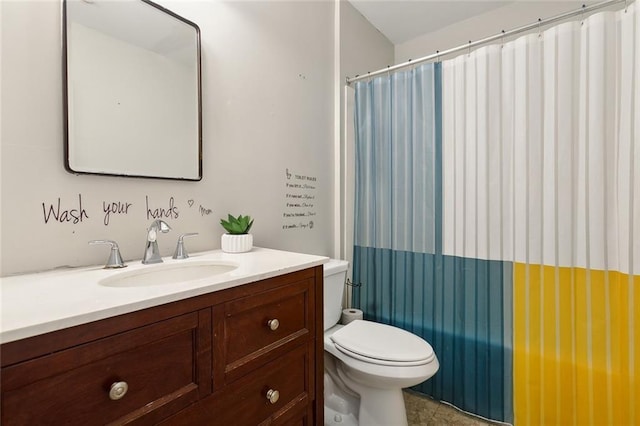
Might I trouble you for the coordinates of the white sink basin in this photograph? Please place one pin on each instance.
(167, 274)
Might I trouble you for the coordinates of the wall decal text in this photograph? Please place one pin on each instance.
(299, 204)
(171, 212)
(59, 214)
(115, 207)
(76, 211)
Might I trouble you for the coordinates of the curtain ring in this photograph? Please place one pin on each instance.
(539, 27)
(626, 5)
(437, 56)
(411, 66)
(582, 14)
(469, 49)
(502, 40)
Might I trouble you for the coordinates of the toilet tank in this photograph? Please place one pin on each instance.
(335, 274)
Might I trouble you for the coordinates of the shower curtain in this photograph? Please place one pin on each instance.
(498, 216)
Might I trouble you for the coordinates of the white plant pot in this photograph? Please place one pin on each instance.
(231, 243)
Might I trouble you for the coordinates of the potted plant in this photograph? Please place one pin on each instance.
(237, 239)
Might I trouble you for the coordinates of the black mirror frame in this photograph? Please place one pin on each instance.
(65, 98)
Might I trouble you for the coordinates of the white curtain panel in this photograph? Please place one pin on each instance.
(540, 160)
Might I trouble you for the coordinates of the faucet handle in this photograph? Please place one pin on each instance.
(115, 260)
(156, 226)
(181, 252)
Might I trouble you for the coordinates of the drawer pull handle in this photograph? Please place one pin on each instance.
(118, 390)
(273, 324)
(273, 396)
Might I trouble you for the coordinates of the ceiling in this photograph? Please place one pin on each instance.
(403, 20)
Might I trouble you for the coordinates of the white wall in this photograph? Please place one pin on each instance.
(362, 47)
(267, 79)
(505, 18)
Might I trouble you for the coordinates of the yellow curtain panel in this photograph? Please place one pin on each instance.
(576, 347)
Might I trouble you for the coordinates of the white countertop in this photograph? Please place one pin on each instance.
(34, 304)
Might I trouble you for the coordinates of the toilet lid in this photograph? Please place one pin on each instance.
(381, 342)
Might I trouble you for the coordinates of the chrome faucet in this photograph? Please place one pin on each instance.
(181, 252)
(115, 259)
(151, 251)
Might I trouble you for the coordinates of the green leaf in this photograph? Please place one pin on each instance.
(239, 225)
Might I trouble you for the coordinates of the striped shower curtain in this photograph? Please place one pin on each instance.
(498, 216)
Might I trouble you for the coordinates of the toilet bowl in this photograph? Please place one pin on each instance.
(367, 364)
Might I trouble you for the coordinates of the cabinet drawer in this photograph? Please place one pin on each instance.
(158, 363)
(246, 402)
(266, 323)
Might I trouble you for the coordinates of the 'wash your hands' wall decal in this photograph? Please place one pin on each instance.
(76, 211)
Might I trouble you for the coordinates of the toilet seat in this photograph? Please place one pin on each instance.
(382, 344)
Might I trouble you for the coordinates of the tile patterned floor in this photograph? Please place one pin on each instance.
(423, 411)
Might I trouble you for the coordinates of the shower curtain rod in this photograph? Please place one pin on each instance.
(540, 22)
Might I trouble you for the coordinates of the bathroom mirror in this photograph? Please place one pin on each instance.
(132, 90)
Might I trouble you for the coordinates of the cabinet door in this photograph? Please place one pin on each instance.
(251, 330)
(159, 364)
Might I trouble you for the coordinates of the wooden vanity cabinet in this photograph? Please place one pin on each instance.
(248, 355)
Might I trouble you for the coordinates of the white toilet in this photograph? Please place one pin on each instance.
(366, 363)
